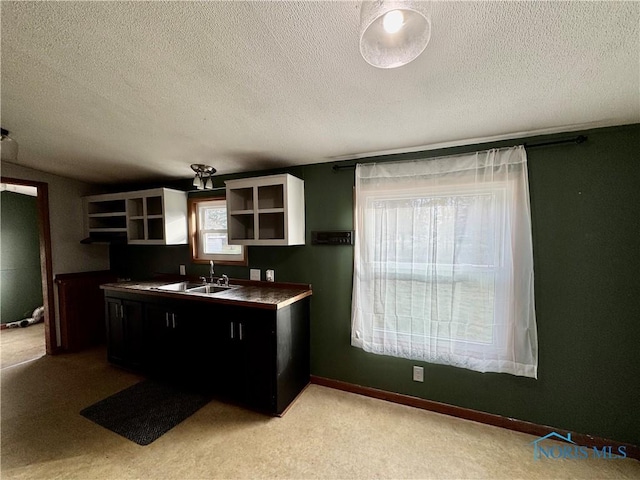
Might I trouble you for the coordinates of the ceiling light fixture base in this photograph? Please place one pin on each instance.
(203, 180)
(8, 147)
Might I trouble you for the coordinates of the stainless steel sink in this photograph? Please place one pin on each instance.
(180, 286)
(210, 289)
(192, 287)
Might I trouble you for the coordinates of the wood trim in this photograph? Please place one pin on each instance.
(633, 451)
(81, 308)
(63, 278)
(295, 299)
(192, 220)
(46, 267)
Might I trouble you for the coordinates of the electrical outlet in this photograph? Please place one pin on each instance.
(271, 276)
(183, 270)
(418, 374)
(254, 274)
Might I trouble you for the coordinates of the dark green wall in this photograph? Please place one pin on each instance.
(585, 215)
(21, 287)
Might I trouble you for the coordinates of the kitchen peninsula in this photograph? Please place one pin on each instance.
(248, 343)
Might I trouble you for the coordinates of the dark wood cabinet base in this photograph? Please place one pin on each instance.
(253, 357)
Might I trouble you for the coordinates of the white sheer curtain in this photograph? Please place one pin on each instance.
(444, 263)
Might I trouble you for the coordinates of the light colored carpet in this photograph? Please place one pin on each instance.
(326, 434)
(19, 345)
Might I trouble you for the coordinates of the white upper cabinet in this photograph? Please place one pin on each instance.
(146, 217)
(266, 210)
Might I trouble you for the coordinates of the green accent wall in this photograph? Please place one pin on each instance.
(21, 281)
(586, 231)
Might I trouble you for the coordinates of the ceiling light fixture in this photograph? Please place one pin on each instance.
(8, 147)
(203, 180)
(393, 32)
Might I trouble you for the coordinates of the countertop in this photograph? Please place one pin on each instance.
(249, 294)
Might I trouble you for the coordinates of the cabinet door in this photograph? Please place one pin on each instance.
(159, 351)
(211, 349)
(133, 333)
(171, 340)
(250, 367)
(257, 349)
(124, 332)
(188, 338)
(240, 357)
(116, 349)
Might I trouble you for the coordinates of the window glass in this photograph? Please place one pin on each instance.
(209, 237)
(443, 262)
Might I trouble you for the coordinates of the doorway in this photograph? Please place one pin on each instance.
(46, 270)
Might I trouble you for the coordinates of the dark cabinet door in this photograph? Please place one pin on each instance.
(158, 325)
(165, 339)
(124, 332)
(116, 348)
(134, 333)
(257, 361)
(249, 357)
(213, 355)
(172, 340)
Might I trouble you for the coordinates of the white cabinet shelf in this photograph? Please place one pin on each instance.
(146, 217)
(266, 210)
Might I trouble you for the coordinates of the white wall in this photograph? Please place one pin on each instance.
(65, 215)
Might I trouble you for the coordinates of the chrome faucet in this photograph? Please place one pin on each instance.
(211, 272)
(209, 279)
(223, 281)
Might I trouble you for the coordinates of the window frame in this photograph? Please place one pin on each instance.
(194, 237)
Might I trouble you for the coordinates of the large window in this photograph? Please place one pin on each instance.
(444, 263)
(208, 233)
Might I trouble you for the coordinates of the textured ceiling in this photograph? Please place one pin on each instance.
(118, 91)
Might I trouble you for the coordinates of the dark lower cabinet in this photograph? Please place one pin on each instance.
(254, 357)
(162, 343)
(178, 336)
(125, 332)
(246, 345)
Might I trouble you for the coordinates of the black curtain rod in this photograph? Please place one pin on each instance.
(579, 139)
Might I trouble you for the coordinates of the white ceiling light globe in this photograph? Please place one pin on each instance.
(393, 32)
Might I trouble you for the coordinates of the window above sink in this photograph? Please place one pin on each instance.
(208, 239)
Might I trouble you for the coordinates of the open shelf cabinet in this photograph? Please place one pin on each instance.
(266, 210)
(146, 217)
